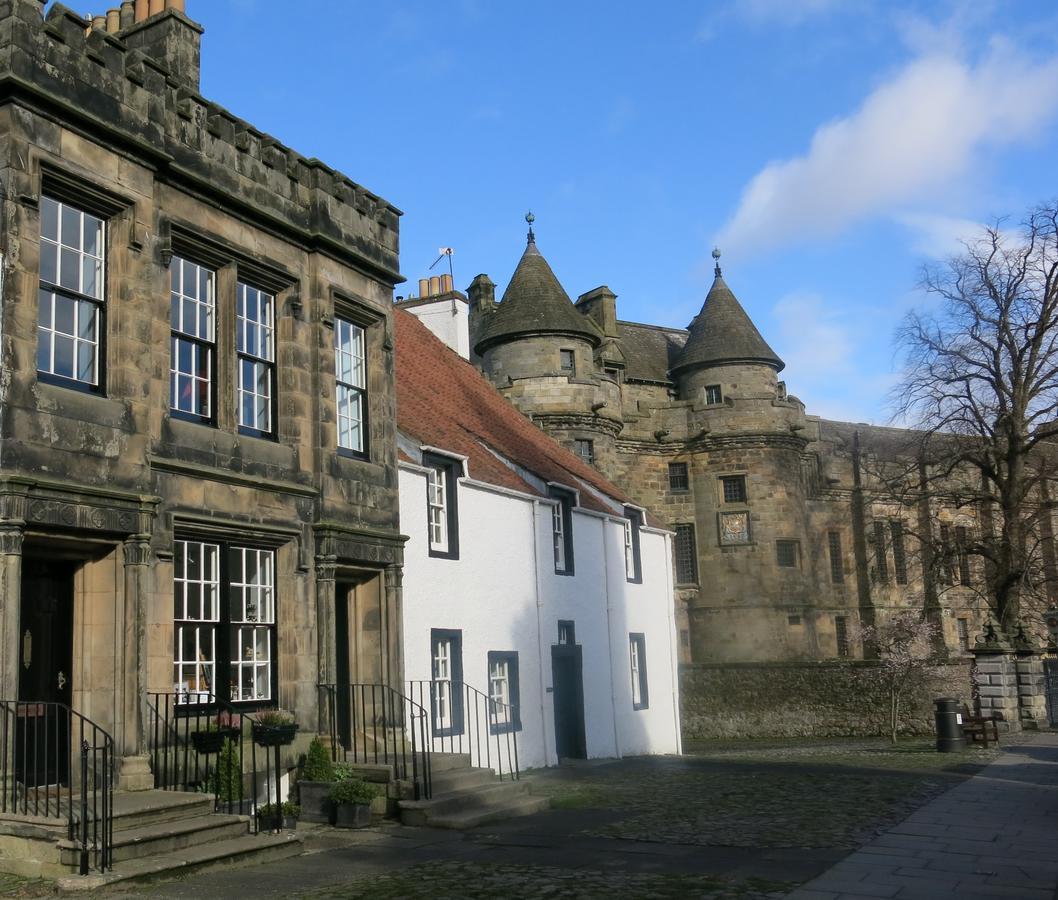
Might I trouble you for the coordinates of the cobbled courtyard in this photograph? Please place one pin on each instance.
(727, 821)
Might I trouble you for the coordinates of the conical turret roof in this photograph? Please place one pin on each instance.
(722, 333)
(534, 303)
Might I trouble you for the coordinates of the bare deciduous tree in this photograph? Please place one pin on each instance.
(981, 387)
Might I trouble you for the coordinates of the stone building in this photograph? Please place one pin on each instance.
(198, 473)
(781, 544)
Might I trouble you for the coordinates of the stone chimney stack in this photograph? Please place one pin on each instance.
(601, 305)
(161, 30)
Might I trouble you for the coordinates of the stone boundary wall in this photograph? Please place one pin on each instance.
(808, 699)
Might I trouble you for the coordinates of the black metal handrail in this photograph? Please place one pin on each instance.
(198, 744)
(376, 724)
(466, 720)
(57, 764)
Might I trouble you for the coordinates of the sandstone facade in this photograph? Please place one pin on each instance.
(106, 484)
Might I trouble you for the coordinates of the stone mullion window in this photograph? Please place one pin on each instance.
(71, 308)
(896, 529)
(881, 558)
(837, 564)
(350, 372)
(686, 552)
(255, 345)
(192, 322)
(224, 622)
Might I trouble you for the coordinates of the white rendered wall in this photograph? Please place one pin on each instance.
(449, 320)
(500, 599)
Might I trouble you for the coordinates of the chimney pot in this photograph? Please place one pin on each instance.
(99, 23)
(435, 285)
(446, 284)
(424, 287)
(113, 20)
(156, 6)
(128, 13)
(142, 10)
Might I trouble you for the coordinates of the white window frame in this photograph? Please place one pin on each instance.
(255, 392)
(192, 324)
(437, 506)
(500, 691)
(195, 674)
(637, 665)
(350, 374)
(558, 536)
(72, 279)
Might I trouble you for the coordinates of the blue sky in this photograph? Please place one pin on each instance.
(829, 146)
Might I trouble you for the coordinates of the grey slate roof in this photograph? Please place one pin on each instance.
(723, 333)
(650, 350)
(534, 303)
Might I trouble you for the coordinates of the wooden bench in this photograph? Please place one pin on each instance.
(980, 729)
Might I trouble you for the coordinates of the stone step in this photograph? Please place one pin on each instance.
(446, 782)
(163, 838)
(242, 851)
(525, 806)
(445, 762)
(137, 809)
(423, 812)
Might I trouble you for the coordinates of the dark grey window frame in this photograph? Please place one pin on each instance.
(635, 519)
(782, 544)
(640, 640)
(742, 489)
(452, 468)
(679, 478)
(690, 535)
(837, 561)
(513, 690)
(566, 499)
(455, 635)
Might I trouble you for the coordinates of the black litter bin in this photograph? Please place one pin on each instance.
(950, 735)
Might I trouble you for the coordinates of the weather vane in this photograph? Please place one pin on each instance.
(716, 260)
(530, 218)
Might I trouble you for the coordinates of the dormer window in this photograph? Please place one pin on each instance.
(442, 519)
(713, 395)
(567, 362)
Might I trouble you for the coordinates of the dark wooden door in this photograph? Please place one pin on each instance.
(343, 662)
(42, 748)
(567, 679)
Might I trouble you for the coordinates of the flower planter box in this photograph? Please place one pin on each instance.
(314, 800)
(213, 741)
(274, 735)
(352, 815)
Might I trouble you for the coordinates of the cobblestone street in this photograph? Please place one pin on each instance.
(729, 820)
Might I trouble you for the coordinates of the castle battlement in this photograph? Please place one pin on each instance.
(118, 94)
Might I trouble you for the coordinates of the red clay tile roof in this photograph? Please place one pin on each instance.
(444, 402)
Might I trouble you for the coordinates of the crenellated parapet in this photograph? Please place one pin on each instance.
(119, 90)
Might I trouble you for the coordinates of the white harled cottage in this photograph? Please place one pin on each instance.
(536, 599)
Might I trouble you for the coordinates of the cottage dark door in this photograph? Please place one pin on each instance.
(342, 691)
(42, 739)
(567, 679)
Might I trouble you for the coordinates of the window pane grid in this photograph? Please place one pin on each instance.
(442, 684)
(350, 367)
(558, 537)
(255, 345)
(734, 488)
(686, 555)
(841, 634)
(896, 528)
(786, 554)
(192, 313)
(678, 477)
(880, 556)
(196, 588)
(499, 692)
(837, 568)
(437, 504)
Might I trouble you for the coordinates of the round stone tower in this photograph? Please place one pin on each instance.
(539, 350)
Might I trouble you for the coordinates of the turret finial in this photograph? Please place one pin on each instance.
(716, 260)
(530, 218)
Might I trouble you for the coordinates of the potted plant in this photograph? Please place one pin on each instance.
(211, 738)
(352, 802)
(315, 774)
(272, 817)
(274, 729)
(225, 781)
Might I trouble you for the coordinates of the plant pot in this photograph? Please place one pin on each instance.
(274, 735)
(290, 823)
(213, 741)
(352, 815)
(269, 821)
(314, 800)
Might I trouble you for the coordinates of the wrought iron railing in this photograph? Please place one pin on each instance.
(375, 724)
(463, 719)
(199, 744)
(56, 764)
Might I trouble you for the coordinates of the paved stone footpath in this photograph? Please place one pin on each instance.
(993, 836)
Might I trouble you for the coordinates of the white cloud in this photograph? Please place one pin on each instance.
(813, 340)
(915, 134)
(937, 235)
(767, 14)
